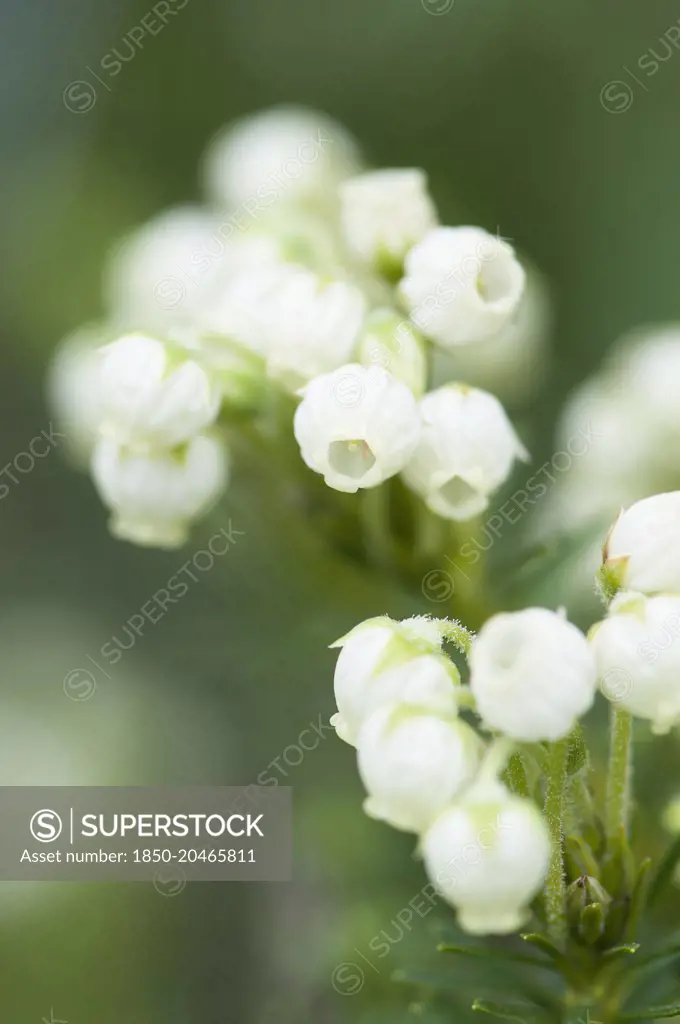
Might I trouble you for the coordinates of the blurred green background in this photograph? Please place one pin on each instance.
(501, 102)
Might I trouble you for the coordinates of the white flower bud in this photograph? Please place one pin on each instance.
(285, 155)
(381, 661)
(413, 762)
(312, 327)
(466, 450)
(642, 550)
(488, 856)
(149, 281)
(461, 285)
(532, 674)
(152, 395)
(384, 213)
(637, 652)
(390, 342)
(154, 497)
(356, 427)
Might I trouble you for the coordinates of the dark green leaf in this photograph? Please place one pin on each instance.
(618, 952)
(482, 952)
(664, 871)
(639, 898)
(518, 1012)
(652, 1013)
(543, 943)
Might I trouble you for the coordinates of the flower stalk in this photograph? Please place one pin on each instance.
(617, 815)
(555, 885)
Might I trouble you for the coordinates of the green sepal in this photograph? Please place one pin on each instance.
(578, 752)
(456, 633)
(592, 923)
(609, 578)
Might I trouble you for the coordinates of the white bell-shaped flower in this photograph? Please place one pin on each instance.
(488, 856)
(637, 652)
(154, 497)
(384, 213)
(356, 427)
(461, 285)
(466, 450)
(157, 275)
(153, 395)
(532, 674)
(381, 661)
(642, 550)
(313, 327)
(414, 762)
(282, 156)
(73, 390)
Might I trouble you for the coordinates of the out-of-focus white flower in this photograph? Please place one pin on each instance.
(642, 550)
(488, 856)
(382, 660)
(285, 155)
(384, 213)
(461, 285)
(313, 327)
(644, 367)
(413, 762)
(532, 674)
(301, 325)
(152, 395)
(155, 276)
(154, 497)
(240, 309)
(390, 342)
(638, 656)
(512, 363)
(356, 427)
(73, 390)
(466, 450)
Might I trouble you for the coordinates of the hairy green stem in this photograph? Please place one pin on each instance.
(555, 885)
(619, 778)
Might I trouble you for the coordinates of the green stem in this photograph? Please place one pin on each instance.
(374, 503)
(555, 885)
(619, 777)
(466, 565)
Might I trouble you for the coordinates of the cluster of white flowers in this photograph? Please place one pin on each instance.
(633, 414)
(638, 656)
(307, 273)
(532, 675)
